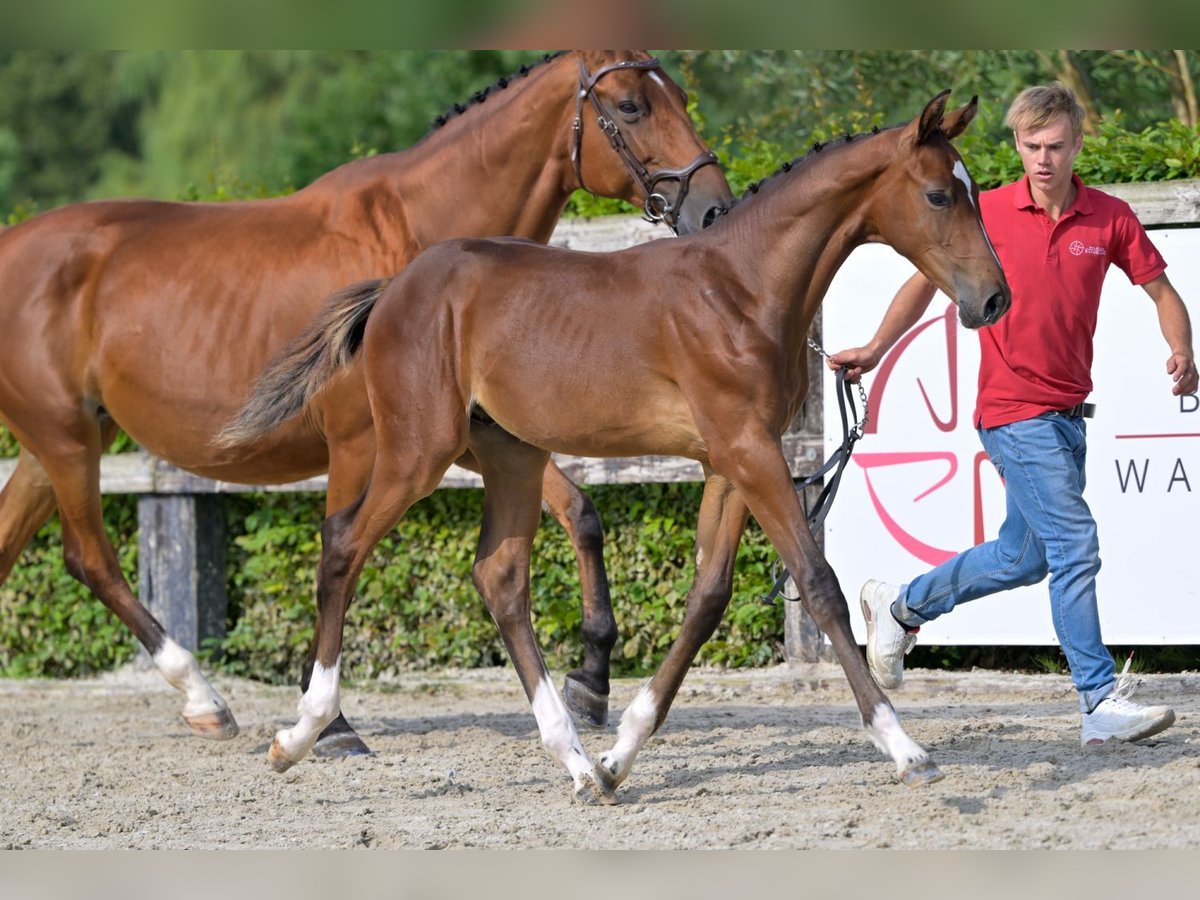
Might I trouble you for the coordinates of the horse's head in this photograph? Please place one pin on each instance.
(626, 103)
(927, 208)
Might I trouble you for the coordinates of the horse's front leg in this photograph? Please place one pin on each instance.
(722, 519)
(763, 478)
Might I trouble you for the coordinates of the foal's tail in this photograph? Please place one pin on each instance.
(305, 365)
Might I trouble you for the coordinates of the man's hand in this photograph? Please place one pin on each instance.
(1182, 370)
(856, 361)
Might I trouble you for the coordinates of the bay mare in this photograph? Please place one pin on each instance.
(694, 347)
(155, 317)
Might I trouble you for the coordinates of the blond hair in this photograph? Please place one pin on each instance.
(1036, 106)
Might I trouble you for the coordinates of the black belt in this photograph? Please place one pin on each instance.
(1079, 410)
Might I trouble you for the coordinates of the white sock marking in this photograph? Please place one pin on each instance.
(558, 733)
(887, 734)
(182, 672)
(637, 724)
(318, 706)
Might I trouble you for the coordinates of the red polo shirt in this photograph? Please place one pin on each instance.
(1038, 357)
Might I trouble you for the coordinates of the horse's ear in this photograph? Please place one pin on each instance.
(956, 121)
(931, 117)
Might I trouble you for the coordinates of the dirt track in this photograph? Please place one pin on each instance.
(767, 758)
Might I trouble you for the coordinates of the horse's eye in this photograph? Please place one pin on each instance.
(938, 198)
(628, 108)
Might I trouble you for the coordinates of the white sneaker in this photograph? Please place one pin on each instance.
(887, 641)
(1117, 718)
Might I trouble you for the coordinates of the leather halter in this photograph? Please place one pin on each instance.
(656, 206)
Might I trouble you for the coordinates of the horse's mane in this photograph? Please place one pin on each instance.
(481, 95)
(798, 164)
(456, 110)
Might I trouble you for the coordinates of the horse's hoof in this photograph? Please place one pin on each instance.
(340, 745)
(607, 781)
(278, 759)
(921, 773)
(216, 726)
(606, 799)
(589, 708)
(603, 794)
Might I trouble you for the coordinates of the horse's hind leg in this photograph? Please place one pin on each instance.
(72, 461)
(348, 537)
(512, 478)
(351, 456)
(26, 504)
(27, 501)
(586, 688)
(718, 531)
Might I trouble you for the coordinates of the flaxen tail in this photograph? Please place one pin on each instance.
(305, 365)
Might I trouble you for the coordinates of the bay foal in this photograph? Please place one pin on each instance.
(693, 347)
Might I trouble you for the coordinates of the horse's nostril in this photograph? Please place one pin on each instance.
(994, 308)
(711, 216)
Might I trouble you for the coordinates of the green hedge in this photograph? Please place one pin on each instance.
(416, 606)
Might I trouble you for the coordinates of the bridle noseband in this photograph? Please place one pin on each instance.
(656, 206)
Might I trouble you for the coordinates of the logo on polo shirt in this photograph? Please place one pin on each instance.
(1079, 248)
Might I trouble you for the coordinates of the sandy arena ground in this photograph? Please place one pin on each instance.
(751, 759)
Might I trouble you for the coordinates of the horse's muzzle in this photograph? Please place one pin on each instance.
(975, 314)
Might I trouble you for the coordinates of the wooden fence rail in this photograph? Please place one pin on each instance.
(181, 541)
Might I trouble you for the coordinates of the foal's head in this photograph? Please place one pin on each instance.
(627, 101)
(926, 206)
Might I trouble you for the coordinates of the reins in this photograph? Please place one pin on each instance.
(837, 462)
(656, 205)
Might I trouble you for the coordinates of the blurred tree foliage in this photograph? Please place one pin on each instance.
(172, 124)
(781, 96)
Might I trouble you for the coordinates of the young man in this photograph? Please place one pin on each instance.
(1055, 238)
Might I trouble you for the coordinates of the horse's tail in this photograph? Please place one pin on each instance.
(305, 365)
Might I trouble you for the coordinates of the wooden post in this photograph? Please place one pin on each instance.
(181, 564)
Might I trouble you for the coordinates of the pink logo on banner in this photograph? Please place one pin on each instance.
(913, 544)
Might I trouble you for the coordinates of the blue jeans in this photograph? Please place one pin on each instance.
(1048, 528)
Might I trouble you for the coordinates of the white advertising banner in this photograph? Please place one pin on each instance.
(919, 488)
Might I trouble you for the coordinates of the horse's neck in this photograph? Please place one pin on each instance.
(500, 167)
(807, 227)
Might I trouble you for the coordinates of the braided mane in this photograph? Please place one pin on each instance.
(799, 161)
(481, 95)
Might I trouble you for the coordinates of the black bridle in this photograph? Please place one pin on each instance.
(656, 206)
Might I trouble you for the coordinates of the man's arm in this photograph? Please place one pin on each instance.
(906, 308)
(1177, 329)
